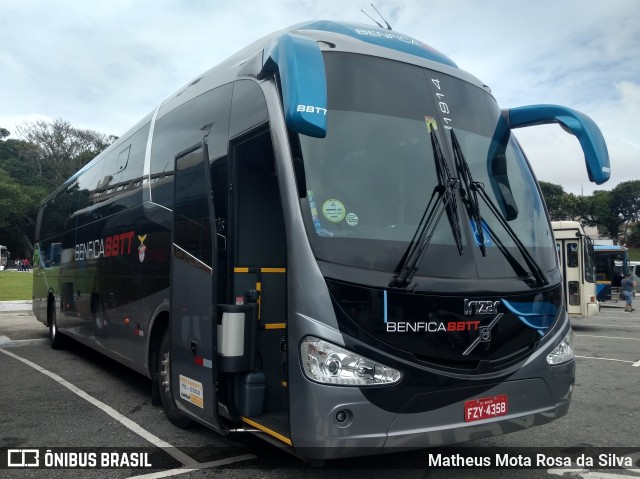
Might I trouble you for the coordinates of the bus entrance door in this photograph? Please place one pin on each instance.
(571, 259)
(193, 365)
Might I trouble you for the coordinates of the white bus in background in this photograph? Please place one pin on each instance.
(3, 257)
(634, 269)
(576, 254)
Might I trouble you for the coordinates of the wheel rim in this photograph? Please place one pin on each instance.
(53, 324)
(165, 374)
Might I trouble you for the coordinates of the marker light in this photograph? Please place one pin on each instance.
(563, 352)
(327, 363)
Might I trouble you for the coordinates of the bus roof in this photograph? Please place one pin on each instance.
(380, 37)
(566, 224)
(328, 35)
(607, 247)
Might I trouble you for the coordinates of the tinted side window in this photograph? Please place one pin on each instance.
(115, 182)
(127, 163)
(192, 217)
(58, 213)
(182, 127)
(249, 107)
(89, 184)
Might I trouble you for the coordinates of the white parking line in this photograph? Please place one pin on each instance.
(608, 325)
(605, 337)
(586, 474)
(125, 421)
(203, 465)
(609, 359)
(6, 342)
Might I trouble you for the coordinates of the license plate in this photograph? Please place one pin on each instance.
(484, 408)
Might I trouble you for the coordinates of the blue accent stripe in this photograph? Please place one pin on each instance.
(385, 305)
(537, 315)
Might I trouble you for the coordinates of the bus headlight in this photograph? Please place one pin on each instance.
(327, 363)
(563, 352)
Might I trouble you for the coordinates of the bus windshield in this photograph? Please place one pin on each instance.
(370, 180)
(589, 261)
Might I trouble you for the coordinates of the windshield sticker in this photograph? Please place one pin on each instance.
(485, 233)
(314, 212)
(432, 125)
(352, 219)
(334, 210)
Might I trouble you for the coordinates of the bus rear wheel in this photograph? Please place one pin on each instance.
(56, 338)
(164, 384)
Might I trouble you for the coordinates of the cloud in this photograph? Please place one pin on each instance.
(556, 157)
(12, 122)
(105, 65)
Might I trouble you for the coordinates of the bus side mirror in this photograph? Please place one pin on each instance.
(577, 123)
(299, 62)
(499, 177)
(502, 188)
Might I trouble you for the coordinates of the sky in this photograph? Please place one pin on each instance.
(103, 65)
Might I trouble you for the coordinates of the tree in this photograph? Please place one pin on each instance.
(31, 169)
(633, 240)
(625, 202)
(18, 212)
(599, 212)
(18, 159)
(573, 206)
(561, 205)
(608, 210)
(614, 210)
(553, 195)
(62, 149)
(21, 190)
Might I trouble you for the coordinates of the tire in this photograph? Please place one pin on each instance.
(57, 339)
(164, 385)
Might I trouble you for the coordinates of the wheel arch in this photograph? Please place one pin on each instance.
(51, 303)
(158, 324)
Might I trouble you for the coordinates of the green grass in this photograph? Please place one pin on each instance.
(18, 286)
(15, 285)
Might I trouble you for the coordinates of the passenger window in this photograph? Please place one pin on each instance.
(205, 115)
(123, 159)
(249, 107)
(572, 255)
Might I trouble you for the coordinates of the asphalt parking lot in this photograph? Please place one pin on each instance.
(76, 398)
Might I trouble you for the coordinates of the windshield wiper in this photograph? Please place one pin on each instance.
(470, 190)
(442, 199)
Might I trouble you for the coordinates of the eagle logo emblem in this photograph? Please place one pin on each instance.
(142, 248)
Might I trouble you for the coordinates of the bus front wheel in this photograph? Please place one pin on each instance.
(164, 384)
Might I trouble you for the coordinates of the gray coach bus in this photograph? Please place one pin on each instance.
(333, 238)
